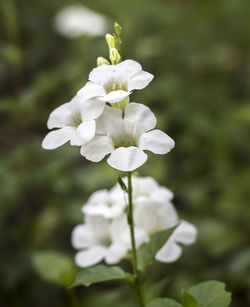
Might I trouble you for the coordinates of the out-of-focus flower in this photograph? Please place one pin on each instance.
(76, 20)
(113, 83)
(99, 239)
(76, 122)
(126, 137)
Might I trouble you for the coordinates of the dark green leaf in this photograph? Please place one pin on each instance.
(99, 273)
(147, 251)
(188, 300)
(54, 267)
(211, 294)
(163, 302)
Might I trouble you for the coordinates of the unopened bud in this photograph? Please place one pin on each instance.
(118, 29)
(110, 41)
(114, 56)
(100, 60)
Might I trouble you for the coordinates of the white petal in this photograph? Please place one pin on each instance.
(140, 80)
(115, 253)
(141, 236)
(84, 133)
(127, 159)
(115, 96)
(127, 69)
(162, 194)
(156, 141)
(97, 148)
(90, 256)
(138, 118)
(185, 233)
(57, 138)
(102, 73)
(82, 236)
(59, 117)
(91, 90)
(110, 122)
(170, 252)
(91, 108)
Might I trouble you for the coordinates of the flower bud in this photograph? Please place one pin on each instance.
(110, 41)
(114, 56)
(118, 29)
(100, 60)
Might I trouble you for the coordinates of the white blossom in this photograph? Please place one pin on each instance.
(126, 137)
(113, 83)
(75, 121)
(99, 239)
(76, 20)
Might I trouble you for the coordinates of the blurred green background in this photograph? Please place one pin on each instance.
(199, 54)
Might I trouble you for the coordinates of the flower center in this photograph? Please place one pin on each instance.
(106, 242)
(125, 141)
(76, 120)
(116, 87)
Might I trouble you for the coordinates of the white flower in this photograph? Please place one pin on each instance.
(107, 203)
(99, 239)
(185, 234)
(75, 121)
(76, 20)
(113, 83)
(126, 137)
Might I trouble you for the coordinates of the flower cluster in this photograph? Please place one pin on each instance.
(104, 235)
(102, 120)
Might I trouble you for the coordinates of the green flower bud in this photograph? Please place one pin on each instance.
(114, 56)
(110, 41)
(117, 29)
(100, 60)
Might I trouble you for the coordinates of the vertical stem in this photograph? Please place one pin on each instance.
(137, 282)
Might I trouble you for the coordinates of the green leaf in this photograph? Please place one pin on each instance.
(188, 300)
(163, 302)
(147, 251)
(211, 294)
(100, 273)
(54, 267)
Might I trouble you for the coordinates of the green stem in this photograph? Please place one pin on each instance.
(137, 280)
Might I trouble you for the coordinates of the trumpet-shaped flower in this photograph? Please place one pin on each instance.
(99, 239)
(75, 121)
(126, 137)
(113, 83)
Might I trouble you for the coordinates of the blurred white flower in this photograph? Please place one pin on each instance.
(76, 20)
(99, 239)
(113, 83)
(76, 122)
(126, 137)
(107, 203)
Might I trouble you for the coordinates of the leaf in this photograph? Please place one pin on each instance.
(54, 267)
(211, 294)
(155, 289)
(188, 300)
(147, 251)
(163, 302)
(99, 273)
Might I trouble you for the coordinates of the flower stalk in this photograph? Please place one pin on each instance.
(137, 281)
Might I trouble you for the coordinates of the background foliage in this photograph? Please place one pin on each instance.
(199, 54)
